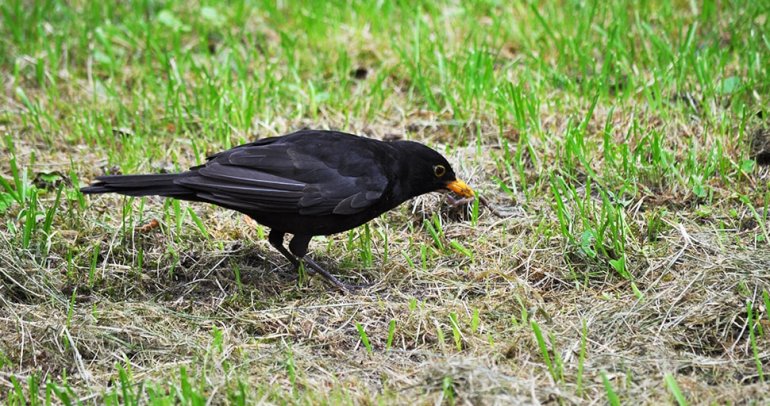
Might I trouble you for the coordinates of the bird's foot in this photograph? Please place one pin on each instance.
(313, 267)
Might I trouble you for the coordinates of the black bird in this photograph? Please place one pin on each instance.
(306, 183)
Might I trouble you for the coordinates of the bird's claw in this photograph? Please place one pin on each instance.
(313, 267)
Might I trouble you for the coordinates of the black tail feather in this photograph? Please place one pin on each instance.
(140, 185)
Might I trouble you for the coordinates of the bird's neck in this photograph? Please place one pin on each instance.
(405, 170)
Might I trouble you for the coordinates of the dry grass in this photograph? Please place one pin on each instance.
(691, 322)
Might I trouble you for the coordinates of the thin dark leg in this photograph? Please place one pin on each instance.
(298, 247)
(276, 240)
(331, 278)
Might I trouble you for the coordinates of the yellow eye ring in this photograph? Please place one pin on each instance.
(439, 170)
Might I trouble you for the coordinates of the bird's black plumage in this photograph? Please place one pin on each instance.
(305, 183)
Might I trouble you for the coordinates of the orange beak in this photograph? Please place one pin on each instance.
(460, 188)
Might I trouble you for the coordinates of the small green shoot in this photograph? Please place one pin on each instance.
(448, 390)
(461, 249)
(766, 300)
(752, 326)
(364, 337)
(612, 397)
(582, 356)
(475, 321)
(125, 379)
(456, 333)
(48, 222)
(365, 247)
(552, 367)
(436, 232)
(198, 223)
(291, 367)
(94, 260)
(63, 395)
(71, 307)
(439, 334)
(187, 392)
(391, 334)
(237, 272)
(30, 221)
(673, 387)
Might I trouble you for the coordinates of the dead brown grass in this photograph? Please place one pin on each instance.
(691, 321)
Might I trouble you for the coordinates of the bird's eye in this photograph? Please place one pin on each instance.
(439, 170)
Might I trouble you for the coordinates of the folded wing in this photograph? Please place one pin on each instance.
(277, 177)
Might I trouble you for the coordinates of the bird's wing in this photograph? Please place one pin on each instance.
(286, 178)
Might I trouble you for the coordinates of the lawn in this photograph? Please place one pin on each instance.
(623, 147)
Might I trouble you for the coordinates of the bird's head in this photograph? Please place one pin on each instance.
(428, 171)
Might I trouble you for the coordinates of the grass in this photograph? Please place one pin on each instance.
(624, 143)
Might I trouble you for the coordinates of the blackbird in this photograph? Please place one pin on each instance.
(306, 183)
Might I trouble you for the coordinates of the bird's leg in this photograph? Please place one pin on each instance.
(331, 278)
(298, 247)
(276, 240)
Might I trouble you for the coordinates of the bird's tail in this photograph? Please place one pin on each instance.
(141, 185)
